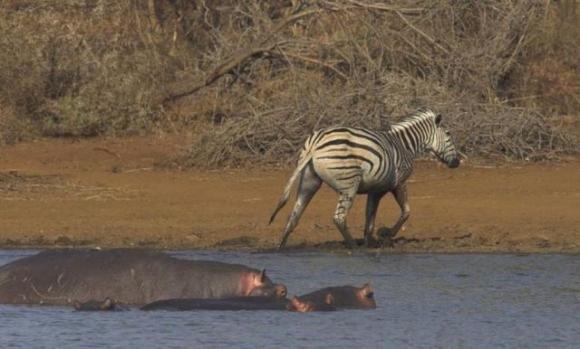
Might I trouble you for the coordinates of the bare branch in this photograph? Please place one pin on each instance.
(421, 33)
(310, 60)
(379, 7)
(180, 89)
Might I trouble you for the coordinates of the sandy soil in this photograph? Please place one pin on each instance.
(108, 192)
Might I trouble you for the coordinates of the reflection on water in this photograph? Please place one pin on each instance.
(425, 301)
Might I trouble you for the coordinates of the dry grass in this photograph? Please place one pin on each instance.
(254, 77)
(272, 134)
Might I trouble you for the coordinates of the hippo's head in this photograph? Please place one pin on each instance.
(304, 306)
(108, 304)
(345, 296)
(92, 305)
(261, 286)
(366, 297)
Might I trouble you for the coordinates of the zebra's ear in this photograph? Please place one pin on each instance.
(438, 119)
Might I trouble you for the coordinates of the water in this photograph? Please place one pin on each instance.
(425, 301)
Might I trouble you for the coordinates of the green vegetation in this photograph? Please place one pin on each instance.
(252, 78)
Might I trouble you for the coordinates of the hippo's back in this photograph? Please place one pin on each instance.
(130, 276)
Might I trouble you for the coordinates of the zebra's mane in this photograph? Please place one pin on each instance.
(418, 116)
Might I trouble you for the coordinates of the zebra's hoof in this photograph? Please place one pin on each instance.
(385, 233)
(350, 245)
(371, 243)
(388, 242)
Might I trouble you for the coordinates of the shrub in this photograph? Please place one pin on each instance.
(253, 77)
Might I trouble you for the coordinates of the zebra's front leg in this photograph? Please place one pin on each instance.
(373, 200)
(400, 194)
(344, 204)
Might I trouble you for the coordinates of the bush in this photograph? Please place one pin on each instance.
(76, 70)
(273, 133)
(255, 77)
(458, 58)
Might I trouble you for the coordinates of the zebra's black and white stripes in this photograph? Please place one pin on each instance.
(355, 161)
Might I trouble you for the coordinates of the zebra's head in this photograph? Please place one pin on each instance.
(442, 146)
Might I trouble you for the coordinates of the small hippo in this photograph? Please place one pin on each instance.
(242, 303)
(307, 306)
(230, 303)
(107, 305)
(132, 277)
(344, 297)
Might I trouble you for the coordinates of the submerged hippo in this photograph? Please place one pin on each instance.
(242, 303)
(344, 297)
(131, 277)
(307, 306)
(230, 303)
(326, 299)
(93, 305)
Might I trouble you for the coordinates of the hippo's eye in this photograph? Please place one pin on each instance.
(370, 295)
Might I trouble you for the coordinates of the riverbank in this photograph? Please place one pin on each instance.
(111, 193)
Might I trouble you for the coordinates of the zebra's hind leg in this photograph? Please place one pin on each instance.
(308, 186)
(373, 200)
(400, 194)
(344, 203)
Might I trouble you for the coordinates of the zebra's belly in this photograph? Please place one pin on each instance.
(374, 186)
(363, 180)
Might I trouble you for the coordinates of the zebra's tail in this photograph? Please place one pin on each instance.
(298, 171)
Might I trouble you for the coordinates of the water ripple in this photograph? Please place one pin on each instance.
(425, 301)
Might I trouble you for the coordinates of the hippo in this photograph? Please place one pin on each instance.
(307, 306)
(132, 277)
(230, 303)
(326, 299)
(242, 303)
(344, 297)
(93, 305)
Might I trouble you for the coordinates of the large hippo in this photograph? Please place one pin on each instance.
(132, 277)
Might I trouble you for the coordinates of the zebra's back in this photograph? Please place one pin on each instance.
(343, 155)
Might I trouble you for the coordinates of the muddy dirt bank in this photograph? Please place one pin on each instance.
(109, 193)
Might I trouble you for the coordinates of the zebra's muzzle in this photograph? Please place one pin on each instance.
(454, 163)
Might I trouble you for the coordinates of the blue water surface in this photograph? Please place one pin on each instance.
(424, 301)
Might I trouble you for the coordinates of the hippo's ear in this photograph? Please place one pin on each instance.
(107, 303)
(77, 305)
(263, 276)
(366, 290)
(329, 299)
(281, 290)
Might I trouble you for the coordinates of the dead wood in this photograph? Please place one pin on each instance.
(184, 88)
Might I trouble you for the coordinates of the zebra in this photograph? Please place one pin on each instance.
(362, 161)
